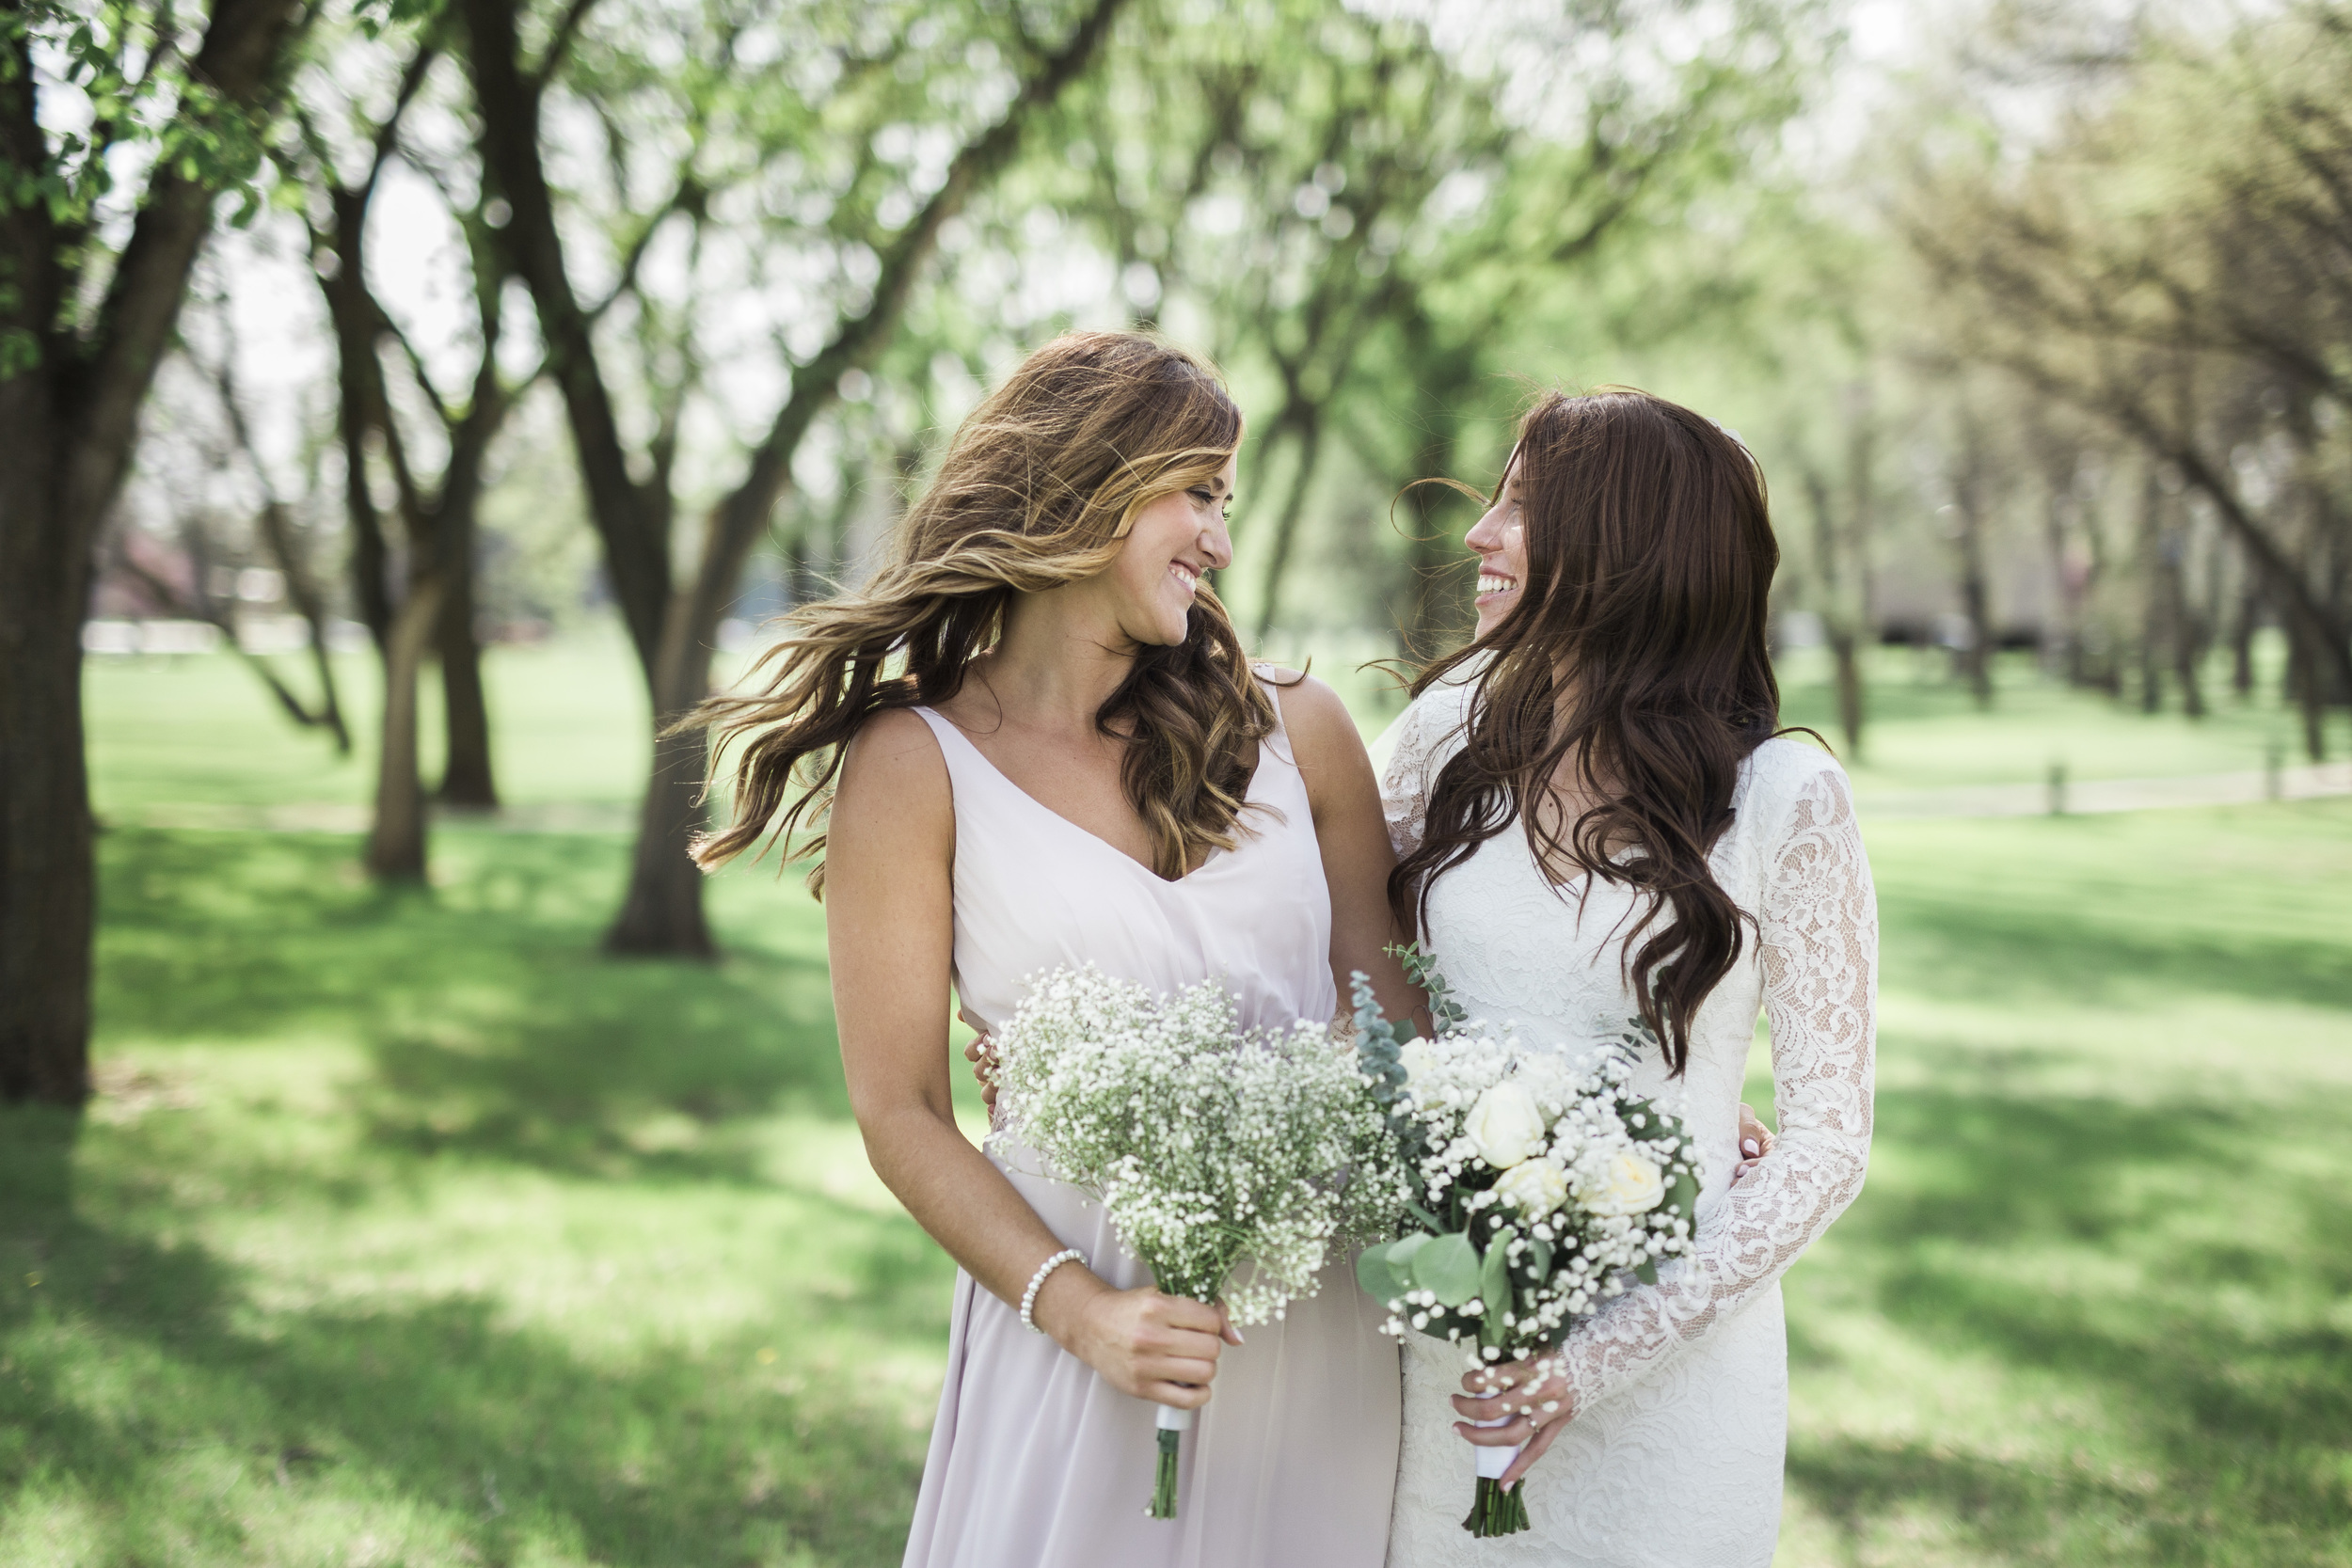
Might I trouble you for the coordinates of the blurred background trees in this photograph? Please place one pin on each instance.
(614, 318)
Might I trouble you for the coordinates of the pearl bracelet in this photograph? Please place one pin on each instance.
(1037, 1283)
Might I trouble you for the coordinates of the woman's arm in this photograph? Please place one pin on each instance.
(1353, 838)
(890, 931)
(1819, 946)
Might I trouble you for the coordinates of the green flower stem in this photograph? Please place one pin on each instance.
(1164, 1486)
(1496, 1512)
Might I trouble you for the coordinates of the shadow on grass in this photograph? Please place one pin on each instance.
(501, 1439)
(495, 1026)
(2197, 1338)
(1963, 949)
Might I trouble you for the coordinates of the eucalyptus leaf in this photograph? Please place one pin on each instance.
(1683, 1197)
(1494, 1274)
(1654, 1124)
(1381, 1279)
(1447, 1268)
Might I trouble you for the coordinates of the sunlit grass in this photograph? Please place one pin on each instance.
(408, 1230)
(1925, 731)
(2094, 1305)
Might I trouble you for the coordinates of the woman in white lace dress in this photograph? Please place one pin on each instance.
(1594, 821)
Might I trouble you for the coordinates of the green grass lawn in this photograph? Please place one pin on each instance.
(407, 1230)
(569, 720)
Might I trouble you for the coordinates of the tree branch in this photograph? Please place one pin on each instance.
(241, 60)
(636, 543)
(560, 42)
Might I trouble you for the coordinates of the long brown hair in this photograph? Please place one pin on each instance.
(1039, 488)
(1649, 559)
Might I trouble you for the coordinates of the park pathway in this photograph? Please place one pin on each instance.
(2060, 796)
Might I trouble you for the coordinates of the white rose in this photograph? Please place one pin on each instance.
(1533, 1187)
(1417, 1059)
(1633, 1184)
(1505, 1126)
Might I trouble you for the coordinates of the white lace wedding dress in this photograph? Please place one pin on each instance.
(1673, 1456)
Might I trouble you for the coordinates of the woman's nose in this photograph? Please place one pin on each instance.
(1218, 540)
(1486, 535)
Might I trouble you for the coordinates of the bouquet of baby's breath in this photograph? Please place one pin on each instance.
(1227, 1158)
(1538, 1187)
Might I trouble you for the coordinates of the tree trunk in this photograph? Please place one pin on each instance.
(396, 844)
(2063, 642)
(2306, 688)
(1840, 570)
(662, 911)
(1847, 658)
(1306, 421)
(2182, 630)
(47, 896)
(467, 778)
(2250, 615)
(2153, 629)
(1975, 662)
(69, 419)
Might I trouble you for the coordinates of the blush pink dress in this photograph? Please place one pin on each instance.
(1034, 1461)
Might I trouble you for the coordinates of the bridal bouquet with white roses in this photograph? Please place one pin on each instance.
(1231, 1160)
(1538, 1187)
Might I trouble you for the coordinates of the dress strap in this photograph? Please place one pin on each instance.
(955, 748)
(1278, 743)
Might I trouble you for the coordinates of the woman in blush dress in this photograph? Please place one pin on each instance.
(1034, 741)
(1595, 821)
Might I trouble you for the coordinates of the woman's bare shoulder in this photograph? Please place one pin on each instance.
(894, 762)
(1320, 726)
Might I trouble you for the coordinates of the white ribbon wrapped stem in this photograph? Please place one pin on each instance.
(1173, 1420)
(1492, 1462)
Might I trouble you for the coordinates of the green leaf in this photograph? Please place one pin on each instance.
(1539, 1256)
(1683, 1197)
(1647, 1273)
(1494, 1275)
(1432, 1221)
(1655, 1124)
(1447, 1268)
(1381, 1279)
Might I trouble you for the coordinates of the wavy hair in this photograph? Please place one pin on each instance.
(1636, 657)
(1039, 487)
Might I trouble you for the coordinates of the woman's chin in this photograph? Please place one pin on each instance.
(1493, 612)
(1164, 630)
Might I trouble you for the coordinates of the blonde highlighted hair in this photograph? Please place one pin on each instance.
(1039, 488)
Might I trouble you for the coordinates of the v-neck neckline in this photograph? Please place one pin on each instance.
(1088, 834)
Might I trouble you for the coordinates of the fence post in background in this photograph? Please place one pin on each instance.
(2057, 786)
(2274, 771)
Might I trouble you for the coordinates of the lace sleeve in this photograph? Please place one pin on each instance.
(1416, 747)
(1820, 952)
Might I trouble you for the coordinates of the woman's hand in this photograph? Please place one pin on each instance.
(1756, 1142)
(1532, 1393)
(1147, 1345)
(981, 1054)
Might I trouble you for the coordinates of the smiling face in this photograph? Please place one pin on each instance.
(1173, 540)
(1499, 540)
